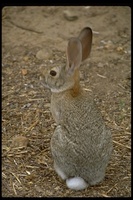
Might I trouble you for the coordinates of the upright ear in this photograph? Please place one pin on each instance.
(85, 37)
(74, 54)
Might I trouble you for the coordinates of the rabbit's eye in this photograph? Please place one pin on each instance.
(53, 73)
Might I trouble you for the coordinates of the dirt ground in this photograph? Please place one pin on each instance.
(33, 37)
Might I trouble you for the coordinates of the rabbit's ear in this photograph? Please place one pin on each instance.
(85, 37)
(74, 54)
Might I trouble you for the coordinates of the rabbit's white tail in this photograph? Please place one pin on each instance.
(76, 183)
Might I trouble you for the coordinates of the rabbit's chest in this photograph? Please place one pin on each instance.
(56, 115)
(59, 108)
(56, 112)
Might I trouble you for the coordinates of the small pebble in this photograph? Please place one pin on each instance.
(119, 49)
(70, 16)
(24, 72)
(44, 54)
(26, 58)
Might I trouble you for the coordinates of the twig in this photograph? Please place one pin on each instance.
(111, 188)
(101, 76)
(29, 166)
(14, 189)
(96, 32)
(16, 178)
(29, 100)
(86, 89)
(3, 175)
(25, 28)
(122, 145)
(17, 154)
(32, 126)
(14, 91)
(121, 86)
(105, 195)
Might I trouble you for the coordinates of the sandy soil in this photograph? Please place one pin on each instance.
(36, 36)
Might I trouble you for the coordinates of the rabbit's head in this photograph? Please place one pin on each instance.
(61, 78)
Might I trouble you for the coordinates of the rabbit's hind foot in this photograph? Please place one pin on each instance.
(59, 172)
(76, 183)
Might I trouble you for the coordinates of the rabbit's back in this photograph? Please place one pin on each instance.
(76, 113)
(83, 144)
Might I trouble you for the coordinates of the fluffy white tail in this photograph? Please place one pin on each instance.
(76, 183)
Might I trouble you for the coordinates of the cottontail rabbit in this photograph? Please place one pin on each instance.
(81, 144)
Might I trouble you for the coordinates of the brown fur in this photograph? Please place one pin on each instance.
(75, 91)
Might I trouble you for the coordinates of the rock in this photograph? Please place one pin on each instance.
(44, 54)
(26, 58)
(24, 72)
(20, 141)
(70, 16)
(100, 64)
(120, 49)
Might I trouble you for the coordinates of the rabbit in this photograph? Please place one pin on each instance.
(81, 144)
